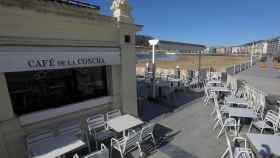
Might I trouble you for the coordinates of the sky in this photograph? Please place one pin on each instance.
(208, 22)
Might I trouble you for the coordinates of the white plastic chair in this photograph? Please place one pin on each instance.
(147, 133)
(102, 153)
(271, 121)
(126, 144)
(228, 122)
(97, 128)
(74, 129)
(208, 95)
(113, 114)
(35, 138)
(237, 152)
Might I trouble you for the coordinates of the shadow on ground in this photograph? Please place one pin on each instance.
(151, 109)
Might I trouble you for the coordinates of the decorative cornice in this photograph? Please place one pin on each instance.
(30, 41)
(58, 7)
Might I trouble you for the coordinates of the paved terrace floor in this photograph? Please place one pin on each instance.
(184, 131)
(266, 79)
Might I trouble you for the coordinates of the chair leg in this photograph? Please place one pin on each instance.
(121, 154)
(262, 130)
(88, 142)
(154, 141)
(96, 144)
(111, 150)
(213, 112)
(221, 131)
(216, 125)
(140, 150)
(249, 130)
(225, 153)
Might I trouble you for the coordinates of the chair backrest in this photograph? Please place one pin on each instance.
(131, 141)
(39, 137)
(74, 129)
(206, 91)
(95, 122)
(102, 153)
(272, 117)
(146, 131)
(113, 114)
(219, 116)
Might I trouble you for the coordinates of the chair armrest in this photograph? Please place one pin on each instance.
(131, 131)
(242, 139)
(103, 147)
(120, 141)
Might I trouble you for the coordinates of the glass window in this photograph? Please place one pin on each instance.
(37, 90)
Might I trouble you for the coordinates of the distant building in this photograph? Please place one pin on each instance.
(221, 50)
(235, 50)
(228, 50)
(142, 45)
(210, 50)
(273, 46)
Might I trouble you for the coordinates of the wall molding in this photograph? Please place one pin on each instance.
(58, 112)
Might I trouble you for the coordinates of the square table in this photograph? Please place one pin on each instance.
(123, 123)
(56, 146)
(272, 141)
(235, 100)
(240, 113)
(220, 89)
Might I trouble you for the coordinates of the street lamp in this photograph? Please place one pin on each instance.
(153, 43)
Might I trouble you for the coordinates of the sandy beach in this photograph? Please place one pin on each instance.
(187, 62)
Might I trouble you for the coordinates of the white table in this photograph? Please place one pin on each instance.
(123, 123)
(214, 82)
(56, 146)
(220, 89)
(240, 113)
(238, 101)
(272, 141)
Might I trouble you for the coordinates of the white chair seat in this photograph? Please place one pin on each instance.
(230, 122)
(241, 152)
(262, 124)
(106, 134)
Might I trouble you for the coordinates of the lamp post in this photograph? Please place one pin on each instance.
(153, 43)
(199, 65)
(252, 52)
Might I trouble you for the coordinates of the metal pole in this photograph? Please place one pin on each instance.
(154, 72)
(153, 57)
(199, 65)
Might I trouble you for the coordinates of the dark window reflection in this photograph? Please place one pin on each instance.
(37, 90)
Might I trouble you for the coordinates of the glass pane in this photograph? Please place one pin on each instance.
(38, 90)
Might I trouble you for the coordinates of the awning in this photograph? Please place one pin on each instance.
(14, 59)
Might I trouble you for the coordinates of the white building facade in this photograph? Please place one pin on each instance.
(61, 63)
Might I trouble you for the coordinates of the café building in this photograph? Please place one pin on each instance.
(60, 62)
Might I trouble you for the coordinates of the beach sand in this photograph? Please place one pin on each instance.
(188, 62)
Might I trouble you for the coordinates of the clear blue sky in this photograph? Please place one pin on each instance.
(209, 22)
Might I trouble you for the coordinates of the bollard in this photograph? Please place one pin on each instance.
(178, 72)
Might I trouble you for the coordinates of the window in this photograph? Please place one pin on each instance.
(37, 90)
(127, 39)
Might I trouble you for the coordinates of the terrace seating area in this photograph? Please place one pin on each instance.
(120, 132)
(217, 119)
(237, 112)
